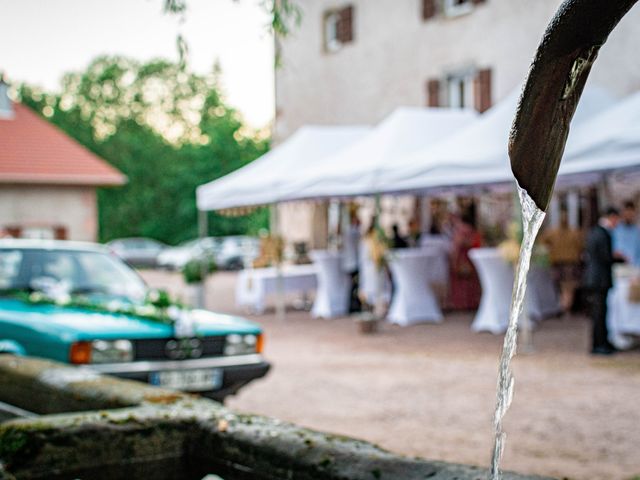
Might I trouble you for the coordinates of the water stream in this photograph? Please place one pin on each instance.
(532, 218)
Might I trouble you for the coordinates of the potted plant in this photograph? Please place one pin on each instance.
(194, 274)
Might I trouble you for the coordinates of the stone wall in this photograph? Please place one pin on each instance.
(137, 431)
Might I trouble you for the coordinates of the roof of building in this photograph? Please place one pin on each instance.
(33, 150)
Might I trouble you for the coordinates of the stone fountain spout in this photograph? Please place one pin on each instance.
(553, 88)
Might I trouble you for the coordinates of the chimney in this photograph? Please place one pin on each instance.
(6, 106)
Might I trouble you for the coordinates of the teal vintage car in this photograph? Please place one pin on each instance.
(79, 303)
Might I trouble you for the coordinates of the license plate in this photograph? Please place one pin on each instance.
(192, 380)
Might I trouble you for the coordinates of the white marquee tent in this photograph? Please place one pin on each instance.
(608, 142)
(262, 181)
(477, 156)
(423, 149)
(359, 169)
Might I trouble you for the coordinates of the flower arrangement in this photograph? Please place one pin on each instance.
(157, 305)
(378, 243)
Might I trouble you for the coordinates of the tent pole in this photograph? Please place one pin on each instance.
(203, 227)
(275, 235)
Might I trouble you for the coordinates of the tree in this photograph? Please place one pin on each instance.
(167, 130)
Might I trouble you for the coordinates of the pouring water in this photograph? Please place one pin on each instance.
(532, 218)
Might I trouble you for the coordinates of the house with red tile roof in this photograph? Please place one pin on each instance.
(48, 181)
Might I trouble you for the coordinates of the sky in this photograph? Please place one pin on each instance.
(40, 40)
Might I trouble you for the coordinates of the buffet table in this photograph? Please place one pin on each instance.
(413, 299)
(255, 285)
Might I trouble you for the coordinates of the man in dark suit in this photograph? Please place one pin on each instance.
(598, 278)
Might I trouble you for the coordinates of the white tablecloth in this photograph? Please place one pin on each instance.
(623, 316)
(334, 285)
(439, 268)
(256, 284)
(413, 300)
(496, 279)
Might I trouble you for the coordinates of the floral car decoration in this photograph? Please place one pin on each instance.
(79, 303)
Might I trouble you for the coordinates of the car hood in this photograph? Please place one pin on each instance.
(72, 324)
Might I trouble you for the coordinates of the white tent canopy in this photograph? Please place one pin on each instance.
(608, 142)
(264, 180)
(478, 154)
(360, 168)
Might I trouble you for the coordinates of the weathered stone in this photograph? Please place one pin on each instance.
(171, 435)
(43, 386)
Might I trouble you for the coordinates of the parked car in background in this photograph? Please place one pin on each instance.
(175, 258)
(236, 252)
(228, 253)
(80, 304)
(139, 252)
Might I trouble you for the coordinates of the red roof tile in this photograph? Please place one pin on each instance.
(33, 150)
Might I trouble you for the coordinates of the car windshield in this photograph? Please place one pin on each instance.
(72, 271)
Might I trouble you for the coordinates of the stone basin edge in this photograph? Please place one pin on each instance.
(90, 420)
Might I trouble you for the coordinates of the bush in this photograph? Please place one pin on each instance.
(193, 270)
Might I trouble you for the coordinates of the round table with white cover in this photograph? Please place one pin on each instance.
(496, 279)
(413, 299)
(334, 285)
(623, 314)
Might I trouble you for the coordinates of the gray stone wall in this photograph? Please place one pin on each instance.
(135, 431)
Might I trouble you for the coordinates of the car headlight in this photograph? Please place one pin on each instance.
(102, 351)
(237, 344)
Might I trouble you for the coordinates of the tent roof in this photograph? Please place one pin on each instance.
(478, 154)
(359, 168)
(608, 141)
(262, 181)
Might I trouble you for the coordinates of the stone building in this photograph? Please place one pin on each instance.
(48, 181)
(354, 61)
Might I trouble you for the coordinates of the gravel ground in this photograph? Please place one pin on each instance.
(429, 390)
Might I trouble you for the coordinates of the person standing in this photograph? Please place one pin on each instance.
(397, 240)
(598, 278)
(464, 291)
(626, 236)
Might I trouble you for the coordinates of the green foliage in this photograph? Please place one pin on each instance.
(167, 130)
(193, 269)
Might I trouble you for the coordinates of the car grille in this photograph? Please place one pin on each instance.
(178, 348)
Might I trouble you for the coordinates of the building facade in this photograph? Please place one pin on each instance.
(355, 61)
(469, 53)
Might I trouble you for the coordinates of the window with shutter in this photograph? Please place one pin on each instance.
(338, 28)
(453, 8)
(460, 89)
(482, 90)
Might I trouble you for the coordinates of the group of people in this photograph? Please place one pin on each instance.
(616, 239)
(463, 292)
(588, 263)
